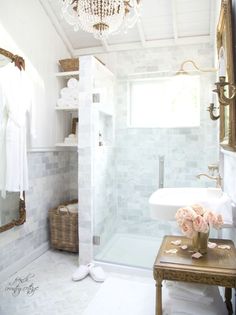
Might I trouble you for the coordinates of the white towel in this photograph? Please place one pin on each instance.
(190, 308)
(65, 92)
(73, 207)
(195, 288)
(62, 103)
(217, 307)
(72, 83)
(67, 101)
(73, 93)
(189, 296)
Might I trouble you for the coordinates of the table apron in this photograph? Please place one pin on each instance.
(227, 281)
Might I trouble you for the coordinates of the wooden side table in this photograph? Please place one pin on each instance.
(217, 267)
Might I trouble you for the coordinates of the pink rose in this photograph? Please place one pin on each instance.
(210, 217)
(200, 224)
(216, 220)
(185, 213)
(187, 228)
(217, 224)
(198, 209)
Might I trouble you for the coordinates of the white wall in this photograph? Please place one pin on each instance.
(26, 30)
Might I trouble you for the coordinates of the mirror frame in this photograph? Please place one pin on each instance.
(225, 40)
(21, 220)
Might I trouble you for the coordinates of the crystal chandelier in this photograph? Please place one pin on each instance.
(100, 17)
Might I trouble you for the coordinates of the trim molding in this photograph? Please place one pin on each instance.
(148, 44)
(135, 271)
(21, 263)
(229, 153)
(47, 149)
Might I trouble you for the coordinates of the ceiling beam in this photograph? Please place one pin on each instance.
(141, 32)
(174, 19)
(148, 44)
(48, 10)
(105, 45)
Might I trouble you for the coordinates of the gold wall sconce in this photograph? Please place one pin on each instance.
(195, 66)
(226, 91)
(211, 108)
(221, 91)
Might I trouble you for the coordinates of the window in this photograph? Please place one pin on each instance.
(165, 102)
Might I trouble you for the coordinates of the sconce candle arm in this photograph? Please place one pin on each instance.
(220, 90)
(211, 109)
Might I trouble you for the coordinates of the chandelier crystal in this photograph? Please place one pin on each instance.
(100, 17)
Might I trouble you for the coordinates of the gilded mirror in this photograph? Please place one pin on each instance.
(12, 211)
(12, 208)
(225, 42)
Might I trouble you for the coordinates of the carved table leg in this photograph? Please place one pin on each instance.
(228, 297)
(159, 297)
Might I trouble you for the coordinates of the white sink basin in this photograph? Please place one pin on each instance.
(164, 202)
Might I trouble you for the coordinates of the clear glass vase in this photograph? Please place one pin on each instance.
(200, 242)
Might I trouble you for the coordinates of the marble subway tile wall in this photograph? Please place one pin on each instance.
(186, 151)
(51, 183)
(73, 175)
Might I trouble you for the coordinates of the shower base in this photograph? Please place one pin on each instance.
(130, 250)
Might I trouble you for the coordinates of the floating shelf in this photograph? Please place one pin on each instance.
(66, 108)
(67, 74)
(62, 144)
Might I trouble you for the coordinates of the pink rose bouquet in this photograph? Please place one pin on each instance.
(196, 218)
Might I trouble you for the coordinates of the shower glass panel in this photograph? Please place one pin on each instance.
(127, 173)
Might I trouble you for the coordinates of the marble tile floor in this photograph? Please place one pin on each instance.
(44, 287)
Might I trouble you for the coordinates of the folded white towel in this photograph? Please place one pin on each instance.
(68, 98)
(195, 288)
(67, 92)
(189, 296)
(67, 101)
(64, 92)
(62, 103)
(71, 139)
(72, 83)
(73, 93)
(190, 308)
(73, 207)
(217, 307)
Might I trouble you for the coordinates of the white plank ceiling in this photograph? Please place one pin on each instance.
(162, 23)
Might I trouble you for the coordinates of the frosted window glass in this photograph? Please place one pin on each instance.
(165, 102)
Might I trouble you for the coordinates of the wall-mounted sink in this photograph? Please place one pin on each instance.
(164, 202)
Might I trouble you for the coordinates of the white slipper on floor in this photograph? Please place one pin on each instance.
(96, 273)
(80, 273)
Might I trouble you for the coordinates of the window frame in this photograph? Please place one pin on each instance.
(129, 105)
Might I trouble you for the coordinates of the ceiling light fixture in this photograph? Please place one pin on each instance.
(100, 17)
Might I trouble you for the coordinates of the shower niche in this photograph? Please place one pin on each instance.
(105, 130)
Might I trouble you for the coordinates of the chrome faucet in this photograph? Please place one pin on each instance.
(217, 178)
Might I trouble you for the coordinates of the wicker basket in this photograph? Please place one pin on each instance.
(69, 64)
(64, 229)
